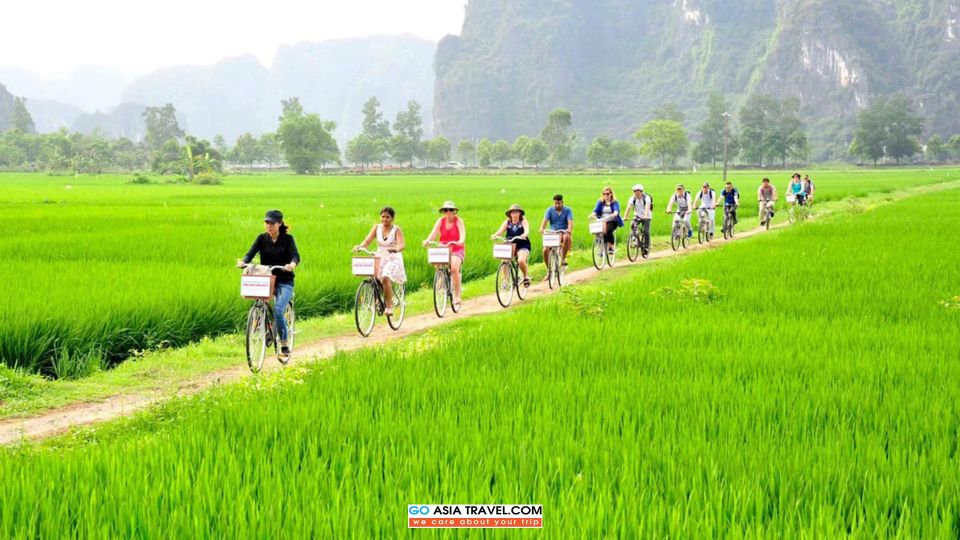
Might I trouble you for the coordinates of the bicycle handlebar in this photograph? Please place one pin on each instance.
(502, 239)
(364, 250)
(441, 244)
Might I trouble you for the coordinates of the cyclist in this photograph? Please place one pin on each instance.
(277, 248)
(560, 219)
(707, 199)
(731, 198)
(808, 189)
(795, 188)
(682, 199)
(767, 195)
(516, 226)
(390, 244)
(641, 205)
(608, 210)
(452, 231)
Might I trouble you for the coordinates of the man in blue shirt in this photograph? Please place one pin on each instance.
(731, 197)
(560, 219)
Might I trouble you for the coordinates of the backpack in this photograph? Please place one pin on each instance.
(651, 202)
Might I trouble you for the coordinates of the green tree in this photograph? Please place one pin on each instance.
(305, 139)
(869, 137)
(270, 150)
(599, 151)
(669, 111)
(755, 126)
(246, 151)
(710, 131)
(403, 149)
(161, 126)
(784, 130)
(220, 143)
(363, 150)
(165, 159)
(903, 126)
(409, 123)
(467, 152)
(438, 150)
(374, 126)
(664, 139)
(537, 153)
(20, 117)
(955, 146)
(500, 151)
(623, 153)
(559, 136)
(936, 150)
(519, 149)
(484, 152)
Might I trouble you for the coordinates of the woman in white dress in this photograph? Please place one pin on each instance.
(390, 244)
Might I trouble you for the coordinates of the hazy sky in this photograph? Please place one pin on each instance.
(53, 37)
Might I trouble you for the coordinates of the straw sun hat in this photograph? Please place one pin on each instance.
(515, 207)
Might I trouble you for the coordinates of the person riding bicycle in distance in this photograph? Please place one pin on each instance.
(641, 204)
(707, 199)
(390, 246)
(682, 199)
(517, 227)
(767, 195)
(607, 210)
(277, 248)
(560, 220)
(731, 199)
(795, 188)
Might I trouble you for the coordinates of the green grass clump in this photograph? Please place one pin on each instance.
(818, 396)
(112, 269)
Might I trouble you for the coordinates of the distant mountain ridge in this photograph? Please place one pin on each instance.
(611, 62)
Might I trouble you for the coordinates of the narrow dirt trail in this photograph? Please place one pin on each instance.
(59, 420)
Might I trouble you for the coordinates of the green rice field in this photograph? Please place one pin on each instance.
(109, 269)
(803, 383)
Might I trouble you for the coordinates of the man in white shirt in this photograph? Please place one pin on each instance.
(682, 199)
(641, 205)
(707, 199)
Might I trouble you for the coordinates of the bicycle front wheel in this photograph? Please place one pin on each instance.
(291, 317)
(685, 236)
(552, 263)
(599, 252)
(518, 284)
(399, 306)
(365, 308)
(504, 284)
(256, 337)
(633, 247)
(675, 242)
(440, 293)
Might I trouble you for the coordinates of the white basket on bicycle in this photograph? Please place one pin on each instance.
(504, 251)
(366, 266)
(791, 198)
(257, 283)
(551, 240)
(598, 227)
(438, 255)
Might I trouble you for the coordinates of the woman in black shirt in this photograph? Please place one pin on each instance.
(277, 248)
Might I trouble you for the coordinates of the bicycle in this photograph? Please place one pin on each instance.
(703, 225)
(680, 235)
(797, 211)
(508, 275)
(370, 300)
(637, 243)
(728, 222)
(439, 256)
(766, 214)
(556, 273)
(603, 253)
(260, 322)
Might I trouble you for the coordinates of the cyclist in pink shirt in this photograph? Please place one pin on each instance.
(451, 231)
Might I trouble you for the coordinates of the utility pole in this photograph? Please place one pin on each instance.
(726, 134)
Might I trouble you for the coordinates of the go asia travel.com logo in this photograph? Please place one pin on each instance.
(475, 516)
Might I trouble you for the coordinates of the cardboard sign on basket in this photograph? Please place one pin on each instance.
(256, 286)
(504, 251)
(598, 227)
(366, 266)
(551, 240)
(438, 255)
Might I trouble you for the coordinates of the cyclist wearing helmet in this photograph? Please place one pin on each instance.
(641, 204)
(684, 205)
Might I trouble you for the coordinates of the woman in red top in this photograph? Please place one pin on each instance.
(451, 230)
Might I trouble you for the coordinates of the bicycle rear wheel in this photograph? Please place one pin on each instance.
(440, 293)
(599, 252)
(365, 308)
(291, 317)
(633, 247)
(256, 337)
(504, 284)
(518, 284)
(399, 306)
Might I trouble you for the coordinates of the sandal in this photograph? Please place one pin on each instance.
(526, 282)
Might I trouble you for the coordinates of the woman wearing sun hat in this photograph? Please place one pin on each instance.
(516, 226)
(453, 233)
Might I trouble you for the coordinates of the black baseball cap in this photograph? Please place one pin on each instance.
(273, 216)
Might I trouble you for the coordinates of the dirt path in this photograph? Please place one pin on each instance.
(59, 420)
